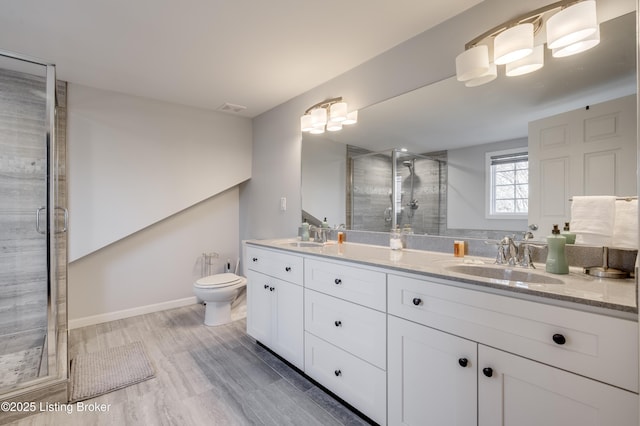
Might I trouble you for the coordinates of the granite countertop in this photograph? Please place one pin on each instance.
(617, 296)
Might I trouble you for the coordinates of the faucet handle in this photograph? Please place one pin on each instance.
(526, 261)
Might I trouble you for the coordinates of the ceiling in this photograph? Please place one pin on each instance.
(206, 53)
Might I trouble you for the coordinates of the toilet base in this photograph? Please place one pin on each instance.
(217, 313)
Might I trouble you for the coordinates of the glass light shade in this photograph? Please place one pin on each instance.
(318, 117)
(334, 126)
(513, 44)
(472, 63)
(306, 123)
(485, 78)
(338, 112)
(580, 46)
(572, 24)
(352, 118)
(530, 63)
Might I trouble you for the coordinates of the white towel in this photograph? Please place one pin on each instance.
(593, 218)
(625, 228)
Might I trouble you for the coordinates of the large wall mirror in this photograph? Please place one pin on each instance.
(447, 129)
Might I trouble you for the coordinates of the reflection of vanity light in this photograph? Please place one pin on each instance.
(571, 27)
(328, 115)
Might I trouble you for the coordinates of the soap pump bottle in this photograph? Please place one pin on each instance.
(556, 254)
(305, 230)
(325, 224)
(570, 236)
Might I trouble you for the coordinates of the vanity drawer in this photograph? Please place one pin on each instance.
(354, 328)
(593, 345)
(277, 264)
(359, 383)
(358, 285)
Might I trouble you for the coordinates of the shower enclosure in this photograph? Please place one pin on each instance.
(396, 189)
(33, 223)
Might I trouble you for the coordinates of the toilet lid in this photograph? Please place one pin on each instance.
(219, 280)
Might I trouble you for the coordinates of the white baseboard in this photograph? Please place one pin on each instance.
(127, 313)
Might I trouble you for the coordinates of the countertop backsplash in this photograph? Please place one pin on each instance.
(577, 255)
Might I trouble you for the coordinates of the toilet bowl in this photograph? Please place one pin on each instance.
(218, 292)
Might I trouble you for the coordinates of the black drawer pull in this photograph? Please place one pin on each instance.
(338, 373)
(338, 281)
(559, 339)
(266, 286)
(463, 362)
(287, 268)
(338, 323)
(417, 301)
(271, 288)
(255, 259)
(487, 371)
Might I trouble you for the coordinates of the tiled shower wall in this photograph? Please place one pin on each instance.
(368, 193)
(23, 254)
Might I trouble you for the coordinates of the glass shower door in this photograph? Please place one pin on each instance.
(26, 223)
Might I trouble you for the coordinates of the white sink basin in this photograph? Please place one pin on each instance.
(303, 244)
(504, 273)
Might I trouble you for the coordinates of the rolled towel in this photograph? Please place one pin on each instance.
(625, 227)
(593, 218)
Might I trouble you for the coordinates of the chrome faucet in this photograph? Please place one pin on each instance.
(525, 248)
(512, 250)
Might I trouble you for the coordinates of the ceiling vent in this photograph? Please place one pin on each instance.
(227, 107)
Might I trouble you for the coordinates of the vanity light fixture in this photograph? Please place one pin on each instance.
(571, 27)
(328, 115)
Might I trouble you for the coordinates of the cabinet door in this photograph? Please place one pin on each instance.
(288, 322)
(259, 306)
(521, 392)
(429, 382)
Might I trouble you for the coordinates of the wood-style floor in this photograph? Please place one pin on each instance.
(204, 376)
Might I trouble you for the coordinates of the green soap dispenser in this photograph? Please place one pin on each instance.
(325, 224)
(305, 230)
(556, 255)
(570, 236)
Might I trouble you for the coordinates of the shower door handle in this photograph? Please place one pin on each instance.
(66, 220)
(38, 220)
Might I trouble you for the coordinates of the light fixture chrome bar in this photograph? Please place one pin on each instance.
(531, 17)
(324, 104)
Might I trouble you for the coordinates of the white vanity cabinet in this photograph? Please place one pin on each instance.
(521, 357)
(432, 376)
(520, 392)
(275, 302)
(345, 333)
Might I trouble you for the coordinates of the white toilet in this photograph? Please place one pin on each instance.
(218, 292)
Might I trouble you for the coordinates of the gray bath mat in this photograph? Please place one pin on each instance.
(102, 372)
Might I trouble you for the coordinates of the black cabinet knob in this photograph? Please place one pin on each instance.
(338, 373)
(266, 286)
(559, 339)
(417, 301)
(338, 323)
(287, 268)
(271, 288)
(463, 362)
(338, 281)
(255, 259)
(487, 371)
